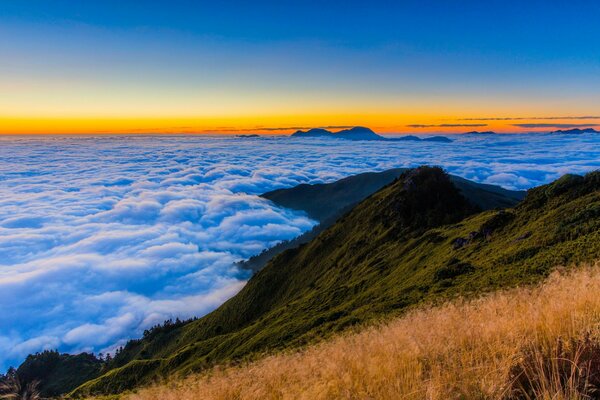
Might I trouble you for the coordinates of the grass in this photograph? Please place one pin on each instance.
(537, 342)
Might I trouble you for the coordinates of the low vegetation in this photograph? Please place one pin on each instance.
(539, 342)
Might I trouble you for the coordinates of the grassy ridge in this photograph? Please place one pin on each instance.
(417, 240)
(327, 202)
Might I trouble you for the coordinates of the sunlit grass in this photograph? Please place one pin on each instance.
(540, 342)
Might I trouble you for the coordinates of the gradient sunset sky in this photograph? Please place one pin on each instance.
(272, 67)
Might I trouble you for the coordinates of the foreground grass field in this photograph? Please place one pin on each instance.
(537, 342)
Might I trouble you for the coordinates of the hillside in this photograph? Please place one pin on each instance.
(522, 343)
(329, 200)
(416, 240)
(326, 202)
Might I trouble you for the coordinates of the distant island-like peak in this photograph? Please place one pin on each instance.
(575, 131)
(314, 132)
(361, 133)
(356, 133)
(480, 133)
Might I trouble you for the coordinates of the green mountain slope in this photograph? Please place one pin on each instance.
(416, 240)
(327, 202)
(324, 202)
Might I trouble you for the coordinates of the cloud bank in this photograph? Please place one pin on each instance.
(101, 238)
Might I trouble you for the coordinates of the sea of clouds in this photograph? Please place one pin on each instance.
(103, 237)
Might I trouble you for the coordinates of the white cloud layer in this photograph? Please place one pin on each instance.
(101, 238)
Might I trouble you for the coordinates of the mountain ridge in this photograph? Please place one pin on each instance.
(326, 202)
(311, 198)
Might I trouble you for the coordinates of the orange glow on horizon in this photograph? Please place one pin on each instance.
(274, 125)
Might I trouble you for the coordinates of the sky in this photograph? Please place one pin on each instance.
(269, 67)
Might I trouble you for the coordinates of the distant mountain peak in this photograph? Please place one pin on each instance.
(357, 129)
(362, 133)
(314, 132)
(575, 131)
(358, 133)
(480, 133)
(355, 133)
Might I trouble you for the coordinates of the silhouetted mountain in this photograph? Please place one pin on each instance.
(575, 131)
(409, 137)
(480, 133)
(358, 133)
(442, 139)
(362, 133)
(315, 132)
(416, 240)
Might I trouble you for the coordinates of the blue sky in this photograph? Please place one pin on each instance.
(391, 64)
(549, 30)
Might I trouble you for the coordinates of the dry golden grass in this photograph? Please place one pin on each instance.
(542, 339)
